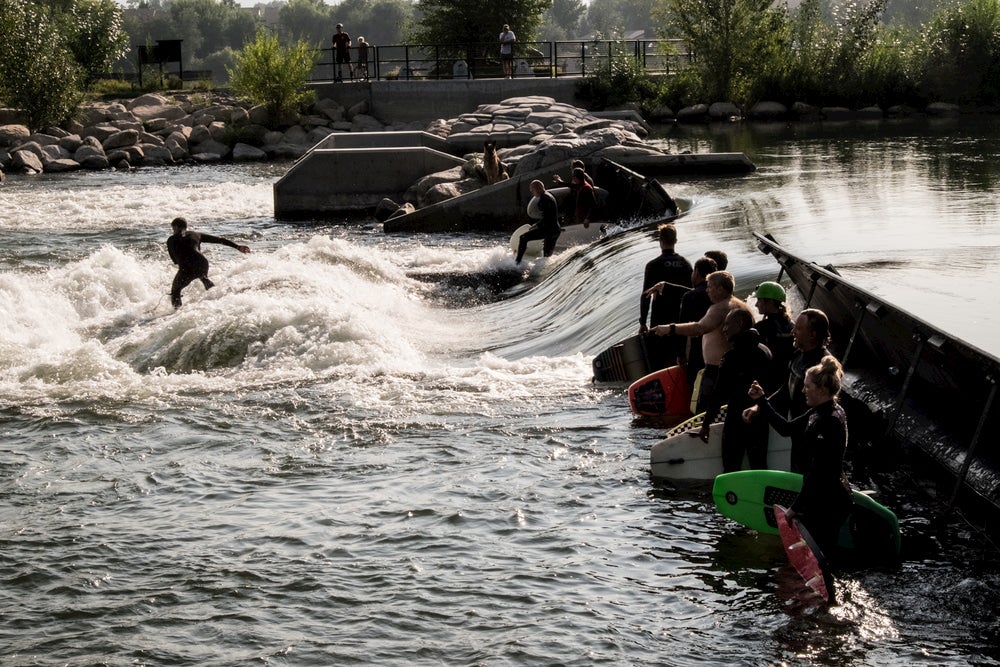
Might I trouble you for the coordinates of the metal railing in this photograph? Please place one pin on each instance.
(408, 62)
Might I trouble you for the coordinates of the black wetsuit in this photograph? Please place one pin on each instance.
(747, 361)
(673, 269)
(185, 252)
(547, 228)
(775, 331)
(791, 401)
(825, 499)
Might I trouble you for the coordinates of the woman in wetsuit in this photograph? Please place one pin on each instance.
(825, 499)
(185, 251)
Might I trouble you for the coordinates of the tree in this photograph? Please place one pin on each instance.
(464, 22)
(96, 35)
(733, 41)
(961, 56)
(307, 20)
(37, 71)
(267, 72)
(380, 21)
(562, 20)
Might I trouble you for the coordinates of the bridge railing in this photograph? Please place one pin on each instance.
(407, 62)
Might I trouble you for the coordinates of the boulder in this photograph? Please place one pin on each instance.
(25, 162)
(212, 147)
(131, 154)
(13, 134)
(217, 130)
(71, 142)
(724, 111)
(120, 140)
(32, 147)
(245, 153)
(61, 165)
(154, 155)
(54, 152)
(296, 134)
(100, 132)
(765, 110)
(696, 113)
(199, 134)
(385, 208)
(43, 139)
(91, 157)
(365, 123)
(943, 109)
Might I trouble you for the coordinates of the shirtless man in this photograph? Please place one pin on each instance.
(185, 251)
(714, 343)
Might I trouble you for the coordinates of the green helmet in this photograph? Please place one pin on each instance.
(770, 290)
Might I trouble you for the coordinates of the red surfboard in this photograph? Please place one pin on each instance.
(663, 393)
(804, 554)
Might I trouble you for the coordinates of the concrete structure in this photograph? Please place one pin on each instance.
(409, 101)
(354, 171)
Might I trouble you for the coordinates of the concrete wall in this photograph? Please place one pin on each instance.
(335, 180)
(409, 101)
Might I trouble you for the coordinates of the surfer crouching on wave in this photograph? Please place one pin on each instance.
(185, 251)
(825, 499)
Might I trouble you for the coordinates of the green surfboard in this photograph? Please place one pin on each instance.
(748, 497)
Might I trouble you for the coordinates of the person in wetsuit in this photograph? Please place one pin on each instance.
(825, 500)
(665, 280)
(547, 227)
(811, 337)
(775, 329)
(185, 251)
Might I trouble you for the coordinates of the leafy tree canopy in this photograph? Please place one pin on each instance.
(465, 22)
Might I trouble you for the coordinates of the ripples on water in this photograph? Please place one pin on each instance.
(325, 460)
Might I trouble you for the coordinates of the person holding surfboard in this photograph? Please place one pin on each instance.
(825, 499)
(810, 337)
(745, 361)
(184, 247)
(547, 227)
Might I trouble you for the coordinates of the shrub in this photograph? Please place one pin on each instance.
(37, 71)
(266, 72)
(960, 61)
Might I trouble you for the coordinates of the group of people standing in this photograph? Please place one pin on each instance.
(342, 55)
(774, 371)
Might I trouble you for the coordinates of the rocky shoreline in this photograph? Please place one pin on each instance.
(156, 130)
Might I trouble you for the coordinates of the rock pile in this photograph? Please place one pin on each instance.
(536, 132)
(155, 130)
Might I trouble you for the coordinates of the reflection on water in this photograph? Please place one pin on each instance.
(324, 460)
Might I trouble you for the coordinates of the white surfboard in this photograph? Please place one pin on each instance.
(572, 235)
(682, 455)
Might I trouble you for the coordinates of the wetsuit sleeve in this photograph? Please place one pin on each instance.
(785, 427)
(208, 238)
(172, 251)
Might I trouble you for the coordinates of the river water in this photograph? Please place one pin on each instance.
(326, 461)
